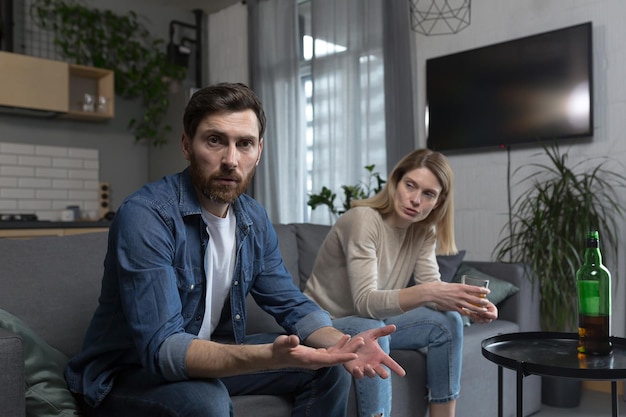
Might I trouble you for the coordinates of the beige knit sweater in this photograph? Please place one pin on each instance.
(364, 262)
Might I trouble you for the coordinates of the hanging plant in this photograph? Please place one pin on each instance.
(103, 39)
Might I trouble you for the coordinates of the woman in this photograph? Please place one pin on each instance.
(363, 269)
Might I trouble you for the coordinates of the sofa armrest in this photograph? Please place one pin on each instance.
(12, 400)
(523, 307)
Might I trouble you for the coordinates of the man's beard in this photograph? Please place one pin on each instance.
(211, 189)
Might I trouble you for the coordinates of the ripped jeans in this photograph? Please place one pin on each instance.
(440, 332)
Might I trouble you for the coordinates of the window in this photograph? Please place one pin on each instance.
(342, 80)
(318, 67)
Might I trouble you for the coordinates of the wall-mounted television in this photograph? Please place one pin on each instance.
(525, 91)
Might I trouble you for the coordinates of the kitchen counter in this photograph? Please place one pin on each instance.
(39, 228)
(47, 224)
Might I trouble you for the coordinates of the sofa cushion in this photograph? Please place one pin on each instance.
(53, 284)
(46, 389)
(310, 239)
(449, 264)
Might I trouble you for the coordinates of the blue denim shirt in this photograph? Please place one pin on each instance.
(152, 300)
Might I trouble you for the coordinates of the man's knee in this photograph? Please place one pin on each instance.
(336, 376)
(193, 398)
(207, 398)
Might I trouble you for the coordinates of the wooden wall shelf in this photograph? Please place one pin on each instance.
(33, 83)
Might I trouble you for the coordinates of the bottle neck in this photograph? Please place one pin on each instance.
(592, 253)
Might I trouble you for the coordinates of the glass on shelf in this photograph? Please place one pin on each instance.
(103, 104)
(88, 102)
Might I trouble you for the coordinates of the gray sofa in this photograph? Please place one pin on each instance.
(52, 285)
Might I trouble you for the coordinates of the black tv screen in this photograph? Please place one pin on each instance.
(528, 90)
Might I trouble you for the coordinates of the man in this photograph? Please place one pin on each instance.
(168, 336)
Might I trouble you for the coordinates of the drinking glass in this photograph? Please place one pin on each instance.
(477, 282)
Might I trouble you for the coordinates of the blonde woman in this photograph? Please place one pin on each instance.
(363, 271)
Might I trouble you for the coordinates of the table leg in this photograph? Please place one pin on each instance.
(615, 405)
(520, 390)
(500, 405)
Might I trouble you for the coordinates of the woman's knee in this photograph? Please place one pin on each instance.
(456, 323)
(354, 325)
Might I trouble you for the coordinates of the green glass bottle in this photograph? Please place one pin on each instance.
(593, 283)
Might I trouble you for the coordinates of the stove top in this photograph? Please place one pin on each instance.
(18, 217)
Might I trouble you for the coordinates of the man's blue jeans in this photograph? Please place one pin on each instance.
(440, 332)
(137, 393)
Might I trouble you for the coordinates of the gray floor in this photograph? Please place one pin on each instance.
(592, 404)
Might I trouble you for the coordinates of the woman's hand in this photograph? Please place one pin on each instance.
(485, 317)
(466, 299)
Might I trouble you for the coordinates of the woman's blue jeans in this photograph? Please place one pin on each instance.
(440, 332)
(318, 393)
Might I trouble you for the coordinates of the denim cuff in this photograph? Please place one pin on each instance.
(172, 355)
(312, 322)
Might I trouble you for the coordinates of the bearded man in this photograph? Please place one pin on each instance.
(168, 335)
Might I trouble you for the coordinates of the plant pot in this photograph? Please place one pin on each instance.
(561, 392)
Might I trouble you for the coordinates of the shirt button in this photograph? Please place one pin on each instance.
(236, 283)
(191, 287)
(198, 318)
(238, 317)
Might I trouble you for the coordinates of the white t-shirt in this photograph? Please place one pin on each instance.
(219, 264)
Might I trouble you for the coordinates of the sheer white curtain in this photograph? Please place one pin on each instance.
(346, 115)
(280, 181)
(347, 72)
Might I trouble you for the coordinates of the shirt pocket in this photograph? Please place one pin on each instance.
(190, 283)
(251, 271)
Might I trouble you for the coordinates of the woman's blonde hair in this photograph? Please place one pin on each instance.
(442, 216)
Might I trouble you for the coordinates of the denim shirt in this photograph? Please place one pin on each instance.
(152, 300)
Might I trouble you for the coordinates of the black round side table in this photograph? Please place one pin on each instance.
(553, 354)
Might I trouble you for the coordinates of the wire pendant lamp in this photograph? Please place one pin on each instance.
(439, 17)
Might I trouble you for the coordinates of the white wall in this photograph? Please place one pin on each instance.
(227, 56)
(481, 189)
(229, 27)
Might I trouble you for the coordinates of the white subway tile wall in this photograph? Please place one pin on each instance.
(44, 180)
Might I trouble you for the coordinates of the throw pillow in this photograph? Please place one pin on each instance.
(448, 265)
(500, 289)
(47, 394)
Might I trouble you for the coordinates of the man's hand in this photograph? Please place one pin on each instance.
(288, 351)
(371, 357)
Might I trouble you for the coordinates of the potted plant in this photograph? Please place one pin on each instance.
(373, 184)
(546, 230)
(104, 39)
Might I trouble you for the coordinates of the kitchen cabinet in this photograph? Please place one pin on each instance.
(32, 83)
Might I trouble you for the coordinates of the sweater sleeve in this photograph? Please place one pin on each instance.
(426, 268)
(363, 240)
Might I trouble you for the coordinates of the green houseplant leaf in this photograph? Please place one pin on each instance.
(103, 39)
(548, 223)
(373, 184)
